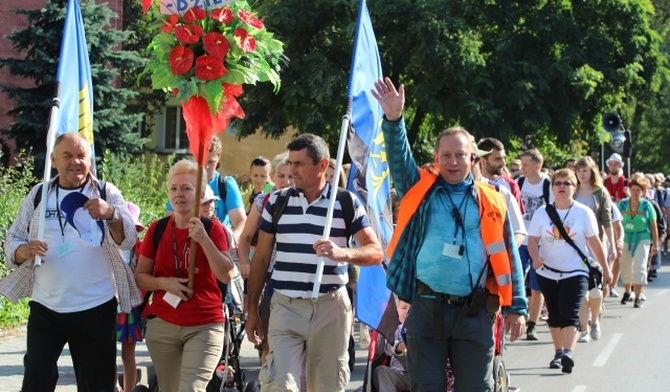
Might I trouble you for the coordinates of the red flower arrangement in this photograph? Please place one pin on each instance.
(205, 56)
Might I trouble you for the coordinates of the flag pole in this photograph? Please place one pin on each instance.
(346, 120)
(51, 137)
(196, 213)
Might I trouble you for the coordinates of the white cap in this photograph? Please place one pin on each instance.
(615, 158)
(209, 195)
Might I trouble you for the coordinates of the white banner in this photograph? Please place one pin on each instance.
(169, 7)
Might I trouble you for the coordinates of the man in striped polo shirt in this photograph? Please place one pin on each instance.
(301, 327)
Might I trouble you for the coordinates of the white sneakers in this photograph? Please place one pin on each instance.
(595, 331)
(584, 338)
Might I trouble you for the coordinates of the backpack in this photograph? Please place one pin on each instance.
(347, 203)
(38, 196)
(545, 188)
(223, 189)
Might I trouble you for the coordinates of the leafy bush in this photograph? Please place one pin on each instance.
(141, 180)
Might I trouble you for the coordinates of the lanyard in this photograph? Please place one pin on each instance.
(177, 262)
(62, 224)
(566, 214)
(458, 217)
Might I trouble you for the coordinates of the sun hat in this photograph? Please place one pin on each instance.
(615, 158)
(135, 214)
(91, 231)
(209, 195)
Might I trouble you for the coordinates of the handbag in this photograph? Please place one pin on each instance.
(595, 270)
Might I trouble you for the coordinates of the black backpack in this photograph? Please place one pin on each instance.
(223, 190)
(161, 225)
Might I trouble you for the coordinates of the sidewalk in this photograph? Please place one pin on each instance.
(13, 346)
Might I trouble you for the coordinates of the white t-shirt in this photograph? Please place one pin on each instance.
(580, 223)
(532, 196)
(73, 276)
(515, 218)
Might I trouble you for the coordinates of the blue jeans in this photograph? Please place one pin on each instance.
(91, 338)
(437, 331)
(527, 264)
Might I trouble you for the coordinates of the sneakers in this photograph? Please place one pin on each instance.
(544, 315)
(364, 336)
(595, 331)
(568, 363)
(584, 337)
(555, 363)
(642, 297)
(625, 298)
(637, 303)
(531, 334)
(614, 293)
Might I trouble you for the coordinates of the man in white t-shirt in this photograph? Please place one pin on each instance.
(75, 289)
(536, 192)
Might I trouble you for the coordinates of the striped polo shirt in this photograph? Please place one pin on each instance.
(299, 227)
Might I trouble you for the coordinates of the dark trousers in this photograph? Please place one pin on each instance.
(90, 335)
(563, 298)
(437, 331)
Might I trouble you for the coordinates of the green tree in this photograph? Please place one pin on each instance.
(502, 69)
(113, 127)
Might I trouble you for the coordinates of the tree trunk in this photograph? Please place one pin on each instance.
(413, 130)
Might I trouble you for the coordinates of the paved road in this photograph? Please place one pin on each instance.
(13, 346)
(631, 355)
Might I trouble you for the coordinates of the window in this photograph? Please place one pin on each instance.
(172, 131)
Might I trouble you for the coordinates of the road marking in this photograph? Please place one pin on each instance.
(607, 351)
(579, 388)
(662, 292)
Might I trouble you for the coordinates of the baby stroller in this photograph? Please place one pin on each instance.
(229, 375)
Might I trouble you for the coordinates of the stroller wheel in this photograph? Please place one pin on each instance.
(253, 386)
(499, 375)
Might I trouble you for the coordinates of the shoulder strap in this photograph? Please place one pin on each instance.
(545, 190)
(38, 196)
(521, 181)
(347, 203)
(553, 215)
(223, 189)
(161, 225)
(159, 230)
(279, 207)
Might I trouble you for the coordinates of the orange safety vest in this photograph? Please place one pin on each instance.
(493, 211)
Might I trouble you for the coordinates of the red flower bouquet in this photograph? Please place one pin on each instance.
(205, 56)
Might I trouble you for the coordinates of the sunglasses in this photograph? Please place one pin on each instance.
(561, 183)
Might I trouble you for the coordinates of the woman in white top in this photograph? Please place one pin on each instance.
(561, 273)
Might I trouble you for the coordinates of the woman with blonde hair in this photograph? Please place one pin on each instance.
(591, 192)
(185, 326)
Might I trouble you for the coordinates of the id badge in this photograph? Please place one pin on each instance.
(171, 299)
(65, 249)
(452, 251)
(630, 226)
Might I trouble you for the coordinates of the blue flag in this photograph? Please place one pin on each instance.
(369, 174)
(75, 88)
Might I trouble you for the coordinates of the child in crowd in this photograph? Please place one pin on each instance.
(129, 326)
(259, 173)
(208, 203)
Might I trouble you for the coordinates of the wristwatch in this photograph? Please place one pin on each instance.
(115, 217)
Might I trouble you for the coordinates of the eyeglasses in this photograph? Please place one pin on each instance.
(562, 183)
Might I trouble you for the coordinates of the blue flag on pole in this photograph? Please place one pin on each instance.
(75, 88)
(369, 174)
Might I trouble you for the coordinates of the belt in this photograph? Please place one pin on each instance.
(424, 290)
